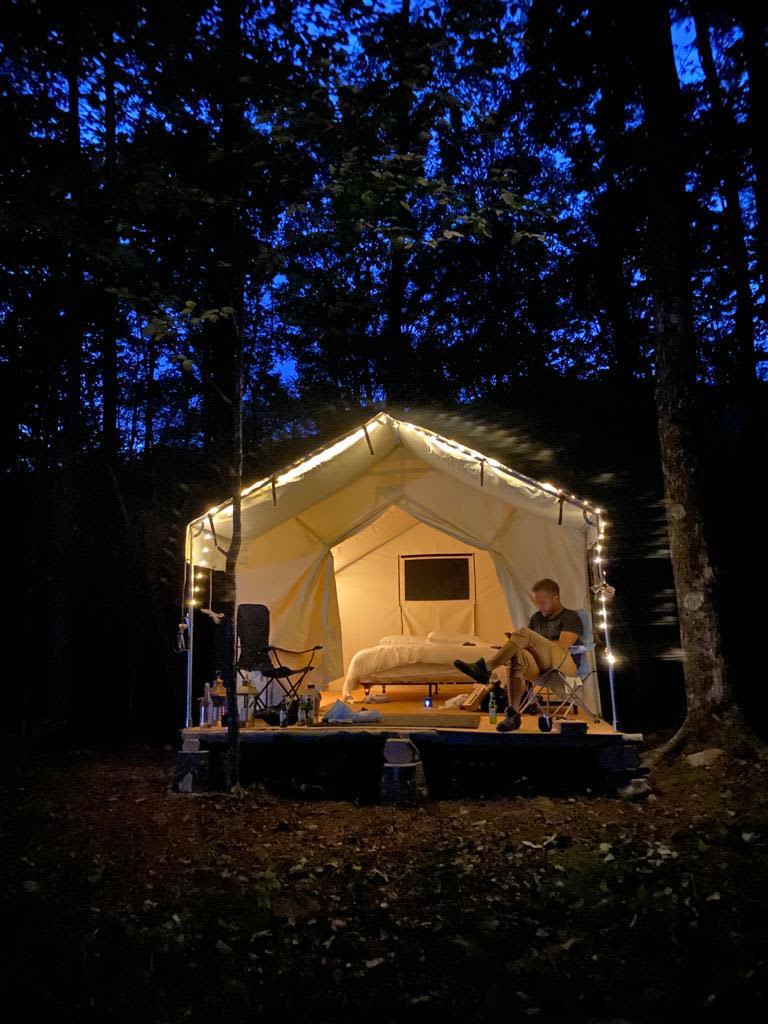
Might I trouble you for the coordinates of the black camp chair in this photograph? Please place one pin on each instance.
(257, 654)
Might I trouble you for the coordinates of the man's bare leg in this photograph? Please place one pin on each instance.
(516, 687)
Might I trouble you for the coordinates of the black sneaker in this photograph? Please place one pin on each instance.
(476, 670)
(510, 721)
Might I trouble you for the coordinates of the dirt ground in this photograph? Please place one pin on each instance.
(123, 900)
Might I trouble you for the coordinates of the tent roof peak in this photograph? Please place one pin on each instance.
(334, 447)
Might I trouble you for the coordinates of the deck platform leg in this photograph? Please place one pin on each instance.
(192, 773)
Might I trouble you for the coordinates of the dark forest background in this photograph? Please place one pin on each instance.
(440, 208)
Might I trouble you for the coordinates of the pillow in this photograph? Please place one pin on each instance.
(453, 638)
(397, 639)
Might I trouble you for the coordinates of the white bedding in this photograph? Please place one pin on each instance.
(394, 652)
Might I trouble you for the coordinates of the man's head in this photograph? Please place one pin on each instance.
(546, 596)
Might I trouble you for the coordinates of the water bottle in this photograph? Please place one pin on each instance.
(283, 714)
(492, 717)
(302, 719)
(205, 706)
(311, 705)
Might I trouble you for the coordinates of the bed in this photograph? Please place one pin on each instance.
(414, 660)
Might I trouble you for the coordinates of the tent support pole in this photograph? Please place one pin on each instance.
(609, 652)
(190, 616)
(191, 620)
(368, 438)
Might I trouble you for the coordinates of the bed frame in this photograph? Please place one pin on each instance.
(421, 674)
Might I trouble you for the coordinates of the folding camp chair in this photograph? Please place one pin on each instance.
(257, 654)
(567, 691)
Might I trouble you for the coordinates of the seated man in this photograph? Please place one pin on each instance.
(531, 650)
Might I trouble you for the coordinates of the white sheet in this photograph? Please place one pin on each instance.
(411, 651)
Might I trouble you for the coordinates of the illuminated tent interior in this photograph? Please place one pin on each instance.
(325, 543)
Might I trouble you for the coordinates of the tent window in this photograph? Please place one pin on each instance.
(436, 577)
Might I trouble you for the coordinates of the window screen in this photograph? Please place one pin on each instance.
(427, 578)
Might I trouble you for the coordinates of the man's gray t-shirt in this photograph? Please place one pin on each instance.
(565, 621)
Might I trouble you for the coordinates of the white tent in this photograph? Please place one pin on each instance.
(323, 542)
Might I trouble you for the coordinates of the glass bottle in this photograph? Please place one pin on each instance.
(492, 716)
(206, 705)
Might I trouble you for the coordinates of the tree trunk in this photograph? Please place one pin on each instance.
(755, 51)
(63, 505)
(398, 371)
(150, 359)
(109, 396)
(233, 553)
(396, 347)
(706, 685)
(737, 363)
(231, 291)
(608, 223)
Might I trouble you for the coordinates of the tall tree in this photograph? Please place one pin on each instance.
(707, 688)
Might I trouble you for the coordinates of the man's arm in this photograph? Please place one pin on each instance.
(566, 639)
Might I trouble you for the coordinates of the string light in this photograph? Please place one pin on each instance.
(603, 591)
(318, 458)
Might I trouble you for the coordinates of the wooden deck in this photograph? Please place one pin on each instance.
(317, 749)
(407, 702)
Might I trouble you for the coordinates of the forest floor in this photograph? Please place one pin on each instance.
(123, 900)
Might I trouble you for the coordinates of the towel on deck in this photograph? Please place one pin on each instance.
(341, 714)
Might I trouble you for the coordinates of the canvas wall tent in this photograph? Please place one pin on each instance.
(322, 541)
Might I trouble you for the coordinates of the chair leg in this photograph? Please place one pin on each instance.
(588, 712)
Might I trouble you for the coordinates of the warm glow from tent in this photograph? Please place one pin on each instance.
(322, 457)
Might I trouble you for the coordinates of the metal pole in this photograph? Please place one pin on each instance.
(609, 655)
(606, 630)
(190, 616)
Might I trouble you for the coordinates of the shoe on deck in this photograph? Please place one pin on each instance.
(476, 670)
(509, 722)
